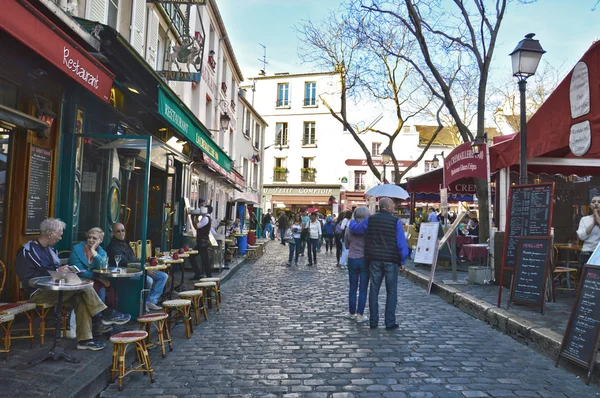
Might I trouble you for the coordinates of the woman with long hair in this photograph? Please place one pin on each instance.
(358, 269)
(296, 243)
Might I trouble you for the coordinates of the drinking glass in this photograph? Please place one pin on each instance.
(157, 252)
(117, 259)
(104, 264)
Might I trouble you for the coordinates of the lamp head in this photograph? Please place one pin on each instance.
(526, 57)
(435, 162)
(386, 155)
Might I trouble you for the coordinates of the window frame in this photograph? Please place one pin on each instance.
(309, 144)
(280, 141)
(310, 98)
(283, 102)
(376, 149)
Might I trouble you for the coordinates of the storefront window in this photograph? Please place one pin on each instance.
(4, 151)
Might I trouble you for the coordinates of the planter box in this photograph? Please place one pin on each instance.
(478, 275)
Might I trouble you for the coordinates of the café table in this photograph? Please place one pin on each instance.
(170, 261)
(568, 248)
(463, 240)
(49, 283)
(118, 274)
(475, 251)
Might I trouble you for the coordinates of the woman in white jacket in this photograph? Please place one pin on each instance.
(314, 236)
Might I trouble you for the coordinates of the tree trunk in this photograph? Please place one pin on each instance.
(484, 217)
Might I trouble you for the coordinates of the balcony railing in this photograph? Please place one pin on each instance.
(307, 176)
(310, 101)
(359, 187)
(211, 62)
(279, 176)
(282, 102)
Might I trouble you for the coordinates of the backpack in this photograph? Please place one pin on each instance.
(338, 229)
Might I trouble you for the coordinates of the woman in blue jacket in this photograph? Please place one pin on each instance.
(328, 232)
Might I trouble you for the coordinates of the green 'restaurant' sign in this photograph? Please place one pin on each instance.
(180, 118)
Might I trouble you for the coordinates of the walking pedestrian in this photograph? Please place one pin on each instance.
(305, 220)
(338, 237)
(296, 228)
(283, 223)
(385, 251)
(314, 234)
(358, 271)
(344, 257)
(267, 222)
(328, 232)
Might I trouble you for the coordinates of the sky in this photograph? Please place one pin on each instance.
(565, 29)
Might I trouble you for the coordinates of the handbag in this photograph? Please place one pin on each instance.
(289, 236)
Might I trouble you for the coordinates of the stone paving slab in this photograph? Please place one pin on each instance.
(282, 332)
(59, 378)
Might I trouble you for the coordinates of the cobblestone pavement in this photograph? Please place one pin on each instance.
(282, 332)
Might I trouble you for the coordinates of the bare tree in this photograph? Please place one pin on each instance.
(456, 42)
(342, 43)
(506, 100)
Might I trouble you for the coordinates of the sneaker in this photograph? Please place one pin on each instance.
(115, 318)
(361, 318)
(394, 326)
(91, 345)
(98, 329)
(153, 307)
(289, 263)
(351, 316)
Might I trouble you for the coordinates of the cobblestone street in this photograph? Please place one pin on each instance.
(282, 332)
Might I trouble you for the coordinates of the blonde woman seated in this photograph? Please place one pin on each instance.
(87, 256)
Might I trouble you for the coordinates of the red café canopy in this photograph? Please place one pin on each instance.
(431, 182)
(564, 125)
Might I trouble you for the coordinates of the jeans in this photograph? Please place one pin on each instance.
(269, 229)
(295, 246)
(156, 283)
(282, 234)
(312, 249)
(358, 274)
(328, 242)
(303, 245)
(379, 269)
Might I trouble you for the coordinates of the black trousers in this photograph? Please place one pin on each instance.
(338, 248)
(206, 267)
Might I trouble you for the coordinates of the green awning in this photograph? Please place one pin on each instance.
(181, 119)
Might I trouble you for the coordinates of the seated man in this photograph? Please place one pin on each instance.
(154, 279)
(87, 256)
(34, 259)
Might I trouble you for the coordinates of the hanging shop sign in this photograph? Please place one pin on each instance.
(233, 176)
(181, 119)
(34, 30)
(186, 55)
(463, 163)
(191, 2)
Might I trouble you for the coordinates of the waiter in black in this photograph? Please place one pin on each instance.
(202, 243)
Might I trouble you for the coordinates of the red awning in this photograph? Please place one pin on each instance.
(26, 24)
(431, 182)
(574, 105)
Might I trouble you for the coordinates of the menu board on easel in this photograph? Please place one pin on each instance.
(38, 188)
(531, 272)
(580, 342)
(529, 214)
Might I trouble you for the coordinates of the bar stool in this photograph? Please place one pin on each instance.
(182, 308)
(159, 320)
(197, 299)
(120, 343)
(5, 323)
(207, 287)
(251, 253)
(22, 307)
(232, 251)
(217, 281)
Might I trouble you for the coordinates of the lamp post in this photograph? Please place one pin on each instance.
(525, 60)
(386, 155)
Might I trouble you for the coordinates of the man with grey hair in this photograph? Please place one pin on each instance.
(385, 251)
(35, 258)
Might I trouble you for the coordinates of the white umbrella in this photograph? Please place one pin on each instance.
(389, 190)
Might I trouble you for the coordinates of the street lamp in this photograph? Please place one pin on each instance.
(386, 155)
(224, 120)
(435, 162)
(525, 60)
(477, 145)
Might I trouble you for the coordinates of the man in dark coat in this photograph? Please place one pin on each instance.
(385, 251)
(283, 223)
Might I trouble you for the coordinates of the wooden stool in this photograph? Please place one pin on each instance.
(197, 299)
(232, 251)
(251, 254)
(159, 320)
(22, 307)
(207, 287)
(182, 307)
(217, 281)
(42, 311)
(120, 342)
(5, 323)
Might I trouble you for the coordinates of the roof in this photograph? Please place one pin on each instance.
(288, 75)
(251, 108)
(447, 137)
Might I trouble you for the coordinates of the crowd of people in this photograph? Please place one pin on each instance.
(373, 247)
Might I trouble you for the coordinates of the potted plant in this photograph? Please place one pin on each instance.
(280, 169)
(308, 170)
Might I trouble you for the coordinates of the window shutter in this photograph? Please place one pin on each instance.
(137, 25)
(152, 38)
(97, 10)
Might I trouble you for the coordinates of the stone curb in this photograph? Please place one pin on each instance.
(543, 340)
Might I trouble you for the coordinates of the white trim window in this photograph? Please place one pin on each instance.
(376, 149)
(310, 94)
(283, 95)
(281, 134)
(310, 134)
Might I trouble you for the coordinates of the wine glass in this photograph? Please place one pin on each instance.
(117, 260)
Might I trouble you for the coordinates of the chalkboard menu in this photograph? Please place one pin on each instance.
(580, 342)
(529, 214)
(531, 270)
(38, 188)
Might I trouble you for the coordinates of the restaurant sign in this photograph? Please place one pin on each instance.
(232, 176)
(377, 162)
(301, 191)
(180, 119)
(463, 163)
(180, 76)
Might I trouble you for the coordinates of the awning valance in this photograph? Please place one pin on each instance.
(290, 200)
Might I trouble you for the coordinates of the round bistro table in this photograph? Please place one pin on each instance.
(49, 283)
(118, 274)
